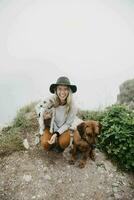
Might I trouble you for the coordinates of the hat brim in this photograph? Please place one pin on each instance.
(53, 87)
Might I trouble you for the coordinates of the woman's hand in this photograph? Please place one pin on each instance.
(53, 139)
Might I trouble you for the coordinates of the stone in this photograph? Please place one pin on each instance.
(37, 140)
(27, 178)
(26, 144)
(47, 177)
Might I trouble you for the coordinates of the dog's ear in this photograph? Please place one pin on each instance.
(81, 128)
(97, 128)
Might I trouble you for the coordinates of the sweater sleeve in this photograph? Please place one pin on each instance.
(70, 118)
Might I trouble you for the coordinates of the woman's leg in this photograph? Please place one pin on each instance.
(64, 139)
(44, 139)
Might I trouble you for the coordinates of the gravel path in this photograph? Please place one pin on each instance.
(36, 174)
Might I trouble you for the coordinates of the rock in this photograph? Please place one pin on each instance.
(117, 196)
(99, 187)
(59, 181)
(27, 178)
(47, 177)
(115, 184)
(70, 179)
(45, 169)
(86, 175)
(82, 194)
(37, 140)
(111, 175)
(26, 144)
(115, 190)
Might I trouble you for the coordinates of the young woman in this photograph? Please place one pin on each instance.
(63, 115)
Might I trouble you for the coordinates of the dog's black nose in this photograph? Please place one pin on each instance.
(93, 146)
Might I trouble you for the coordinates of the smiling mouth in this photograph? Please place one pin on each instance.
(63, 96)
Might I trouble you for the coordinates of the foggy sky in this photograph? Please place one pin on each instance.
(91, 42)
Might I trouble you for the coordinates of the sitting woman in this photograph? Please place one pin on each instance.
(63, 114)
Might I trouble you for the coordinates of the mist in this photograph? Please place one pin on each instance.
(91, 42)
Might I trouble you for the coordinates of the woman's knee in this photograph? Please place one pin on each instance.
(46, 146)
(44, 140)
(64, 139)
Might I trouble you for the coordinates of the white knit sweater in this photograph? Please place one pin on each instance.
(60, 122)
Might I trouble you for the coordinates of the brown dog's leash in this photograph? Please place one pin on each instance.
(71, 138)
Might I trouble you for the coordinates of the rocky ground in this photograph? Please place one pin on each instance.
(35, 174)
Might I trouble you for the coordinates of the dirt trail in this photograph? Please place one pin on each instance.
(36, 174)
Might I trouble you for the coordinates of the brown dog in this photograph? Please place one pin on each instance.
(85, 140)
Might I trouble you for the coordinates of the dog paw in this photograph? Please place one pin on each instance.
(71, 162)
(93, 159)
(41, 131)
(71, 151)
(81, 165)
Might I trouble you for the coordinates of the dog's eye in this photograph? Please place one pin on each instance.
(87, 126)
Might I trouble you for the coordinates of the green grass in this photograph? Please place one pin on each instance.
(11, 137)
(10, 142)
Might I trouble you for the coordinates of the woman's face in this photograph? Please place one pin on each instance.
(62, 92)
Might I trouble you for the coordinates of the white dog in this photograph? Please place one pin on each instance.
(44, 111)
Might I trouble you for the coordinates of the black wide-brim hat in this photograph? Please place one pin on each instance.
(62, 81)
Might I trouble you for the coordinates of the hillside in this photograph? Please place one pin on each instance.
(32, 173)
